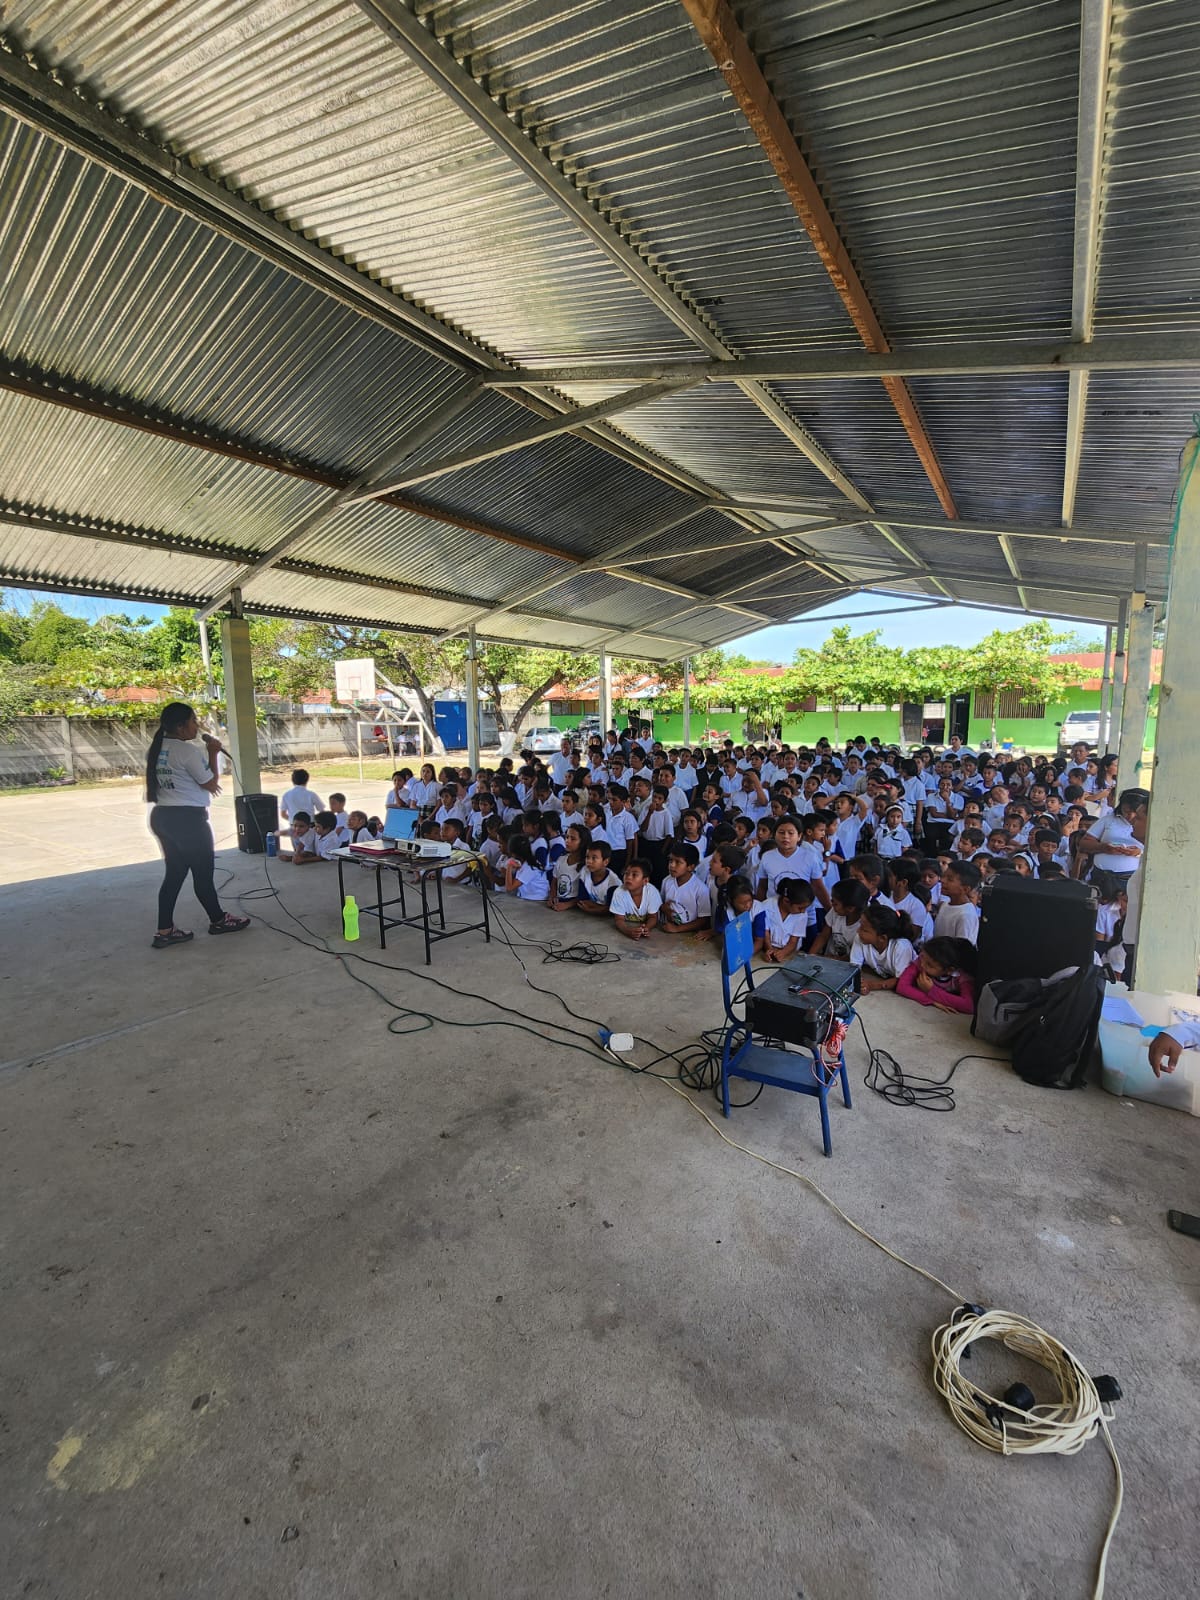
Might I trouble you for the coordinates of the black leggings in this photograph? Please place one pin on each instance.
(187, 844)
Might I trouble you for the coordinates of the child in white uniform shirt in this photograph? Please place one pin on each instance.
(785, 922)
(893, 839)
(883, 947)
(957, 916)
(636, 904)
(299, 798)
(685, 897)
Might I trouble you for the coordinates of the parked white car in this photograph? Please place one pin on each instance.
(542, 741)
(1079, 727)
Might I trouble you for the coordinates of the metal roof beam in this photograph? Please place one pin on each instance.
(734, 544)
(1095, 34)
(422, 47)
(551, 428)
(80, 527)
(1106, 536)
(315, 520)
(57, 390)
(1109, 352)
(78, 123)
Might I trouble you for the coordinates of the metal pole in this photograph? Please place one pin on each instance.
(1118, 699)
(358, 737)
(1137, 679)
(605, 693)
(472, 702)
(210, 688)
(1168, 944)
(687, 699)
(1106, 686)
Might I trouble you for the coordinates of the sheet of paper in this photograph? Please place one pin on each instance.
(1117, 1008)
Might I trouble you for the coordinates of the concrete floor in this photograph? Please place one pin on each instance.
(297, 1308)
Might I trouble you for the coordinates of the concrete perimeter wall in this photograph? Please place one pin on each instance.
(93, 747)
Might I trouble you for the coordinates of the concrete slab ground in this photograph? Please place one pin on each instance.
(297, 1307)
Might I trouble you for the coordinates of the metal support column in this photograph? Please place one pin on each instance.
(472, 703)
(1169, 932)
(1137, 679)
(687, 699)
(1106, 687)
(606, 721)
(1118, 700)
(210, 688)
(241, 736)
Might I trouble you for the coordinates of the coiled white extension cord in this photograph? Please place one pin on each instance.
(1062, 1428)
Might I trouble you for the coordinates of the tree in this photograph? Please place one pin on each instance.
(534, 671)
(1017, 662)
(934, 672)
(50, 634)
(851, 669)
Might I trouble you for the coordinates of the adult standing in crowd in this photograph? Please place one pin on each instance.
(181, 779)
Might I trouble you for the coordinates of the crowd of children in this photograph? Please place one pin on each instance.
(864, 855)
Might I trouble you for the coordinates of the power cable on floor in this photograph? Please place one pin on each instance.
(1014, 1429)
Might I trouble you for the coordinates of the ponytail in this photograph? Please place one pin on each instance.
(890, 924)
(172, 717)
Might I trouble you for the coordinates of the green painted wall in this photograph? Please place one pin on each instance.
(668, 726)
(1042, 733)
(559, 719)
(814, 725)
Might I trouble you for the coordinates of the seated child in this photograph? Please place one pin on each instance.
(836, 938)
(636, 904)
(337, 804)
(522, 875)
(784, 920)
(321, 842)
(301, 834)
(454, 834)
(726, 863)
(597, 882)
(908, 895)
(568, 867)
(685, 898)
(883, 947)
(359, 827)
(493, 853)
(942, 976)
(893, 837)
(958, 915)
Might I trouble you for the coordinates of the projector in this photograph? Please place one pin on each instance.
(420, 849)
(386, 849)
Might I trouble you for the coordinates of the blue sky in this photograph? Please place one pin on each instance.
(945, 625)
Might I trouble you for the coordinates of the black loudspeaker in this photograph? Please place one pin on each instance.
(256, 816)
(1031, 927)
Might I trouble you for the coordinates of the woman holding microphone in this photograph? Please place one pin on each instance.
(181, 779)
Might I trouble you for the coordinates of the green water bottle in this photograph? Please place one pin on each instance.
(350, 918)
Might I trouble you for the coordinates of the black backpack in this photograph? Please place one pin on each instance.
(1052, 1044)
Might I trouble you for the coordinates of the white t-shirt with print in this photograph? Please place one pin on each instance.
(598, 892)
(622, 904)
(684, 902)
(180, 773)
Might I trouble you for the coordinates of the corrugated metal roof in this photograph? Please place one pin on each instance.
(944, 142)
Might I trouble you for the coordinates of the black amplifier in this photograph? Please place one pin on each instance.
(793, 1004)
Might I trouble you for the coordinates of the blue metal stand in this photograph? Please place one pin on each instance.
(758, 1063)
